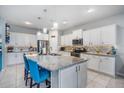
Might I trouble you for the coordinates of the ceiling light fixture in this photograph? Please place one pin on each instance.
(55, 25)
(91, 10)
(64, 22)
(38, 33)
(45, 30)
(28, 23)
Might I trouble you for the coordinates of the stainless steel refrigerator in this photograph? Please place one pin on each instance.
(42, 47)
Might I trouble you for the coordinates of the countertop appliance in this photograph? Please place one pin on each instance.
(42, 47)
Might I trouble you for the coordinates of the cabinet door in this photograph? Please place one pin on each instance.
(107, 65)
(86, 37)
(82, 75)
(19, 58)
(12, 39)
(45, 36)
(62, 41)
(93, 63)
(108, 35)
(66, 54)
(11, 59)
(77, 34)
(68, 77)
(95, 37)
(34, 41)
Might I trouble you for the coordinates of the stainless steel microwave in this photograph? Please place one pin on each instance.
(77, 41)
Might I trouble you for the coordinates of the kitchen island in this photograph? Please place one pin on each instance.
(66, 71)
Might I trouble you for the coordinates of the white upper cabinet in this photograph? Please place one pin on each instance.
(95, 37)
(42, 36)
(66, 40)
(98, 36)
(86, 37)
(108, 35)
(22, 40)
(77, 34)
(62, 40)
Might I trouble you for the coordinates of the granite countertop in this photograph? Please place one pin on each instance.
(99, 54)
(21, 51)
(53, 63)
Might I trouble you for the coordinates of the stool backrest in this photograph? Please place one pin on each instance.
(26, 62)
(34, 71)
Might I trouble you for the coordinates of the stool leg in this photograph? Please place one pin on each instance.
(31, 83)
(26, 78)
(38, 85)
(24, 73)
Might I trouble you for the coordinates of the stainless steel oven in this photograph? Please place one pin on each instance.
(75, 54)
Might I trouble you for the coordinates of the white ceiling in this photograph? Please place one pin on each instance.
(74, 14)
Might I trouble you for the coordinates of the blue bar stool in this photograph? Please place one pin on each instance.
(37, 75)
(26, 70)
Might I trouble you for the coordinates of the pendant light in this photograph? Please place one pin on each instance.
(45, 28)
(39, 31)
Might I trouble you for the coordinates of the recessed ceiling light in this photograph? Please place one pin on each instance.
(55, 25)
(91, 10)
(38, 33)
(45, 30)
(28, 23)
(64, 22)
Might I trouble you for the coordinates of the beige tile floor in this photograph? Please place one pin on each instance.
(13, 77)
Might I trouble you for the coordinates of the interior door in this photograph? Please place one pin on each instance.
(68, 77)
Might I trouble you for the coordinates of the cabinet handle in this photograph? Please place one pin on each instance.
(79, 68)
(76, 69)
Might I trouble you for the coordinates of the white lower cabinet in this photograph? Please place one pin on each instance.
(93, 63)
(73, 77)
(14, 58)
(65, 53)
(107, 65)
(82, 75)
(101, 64)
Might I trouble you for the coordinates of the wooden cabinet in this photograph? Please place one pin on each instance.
(74, 77)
